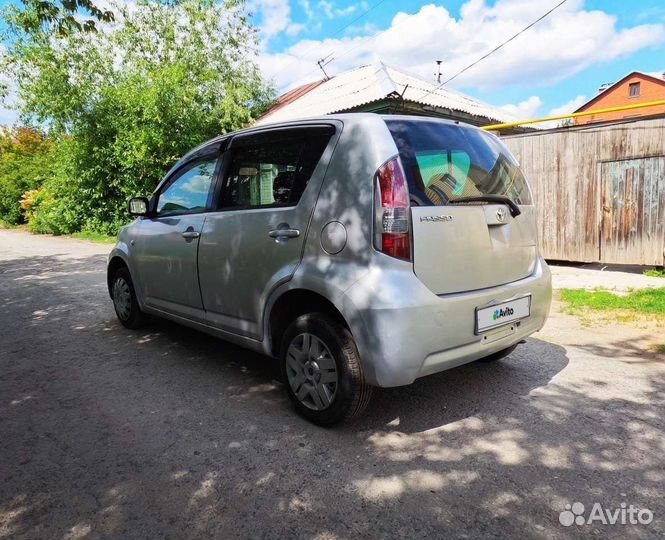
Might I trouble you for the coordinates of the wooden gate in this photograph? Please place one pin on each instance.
(633, 211)
(599, 190)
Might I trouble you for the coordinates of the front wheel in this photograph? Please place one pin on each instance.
(124, 300)
(321, 370)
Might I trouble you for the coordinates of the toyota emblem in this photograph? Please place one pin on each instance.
(501, 214)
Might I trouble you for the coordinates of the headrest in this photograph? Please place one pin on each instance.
(282, 186)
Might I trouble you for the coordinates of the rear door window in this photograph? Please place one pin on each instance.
(444, 162)
(273, 168)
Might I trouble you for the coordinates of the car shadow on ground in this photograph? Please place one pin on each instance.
(445, 397)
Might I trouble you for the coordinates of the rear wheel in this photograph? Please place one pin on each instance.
(321, 370)
(124, 300)
(498, 355)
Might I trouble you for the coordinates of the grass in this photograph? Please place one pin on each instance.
(654, 273)
(94, 237)
(643, 301)
(7, 225)
(658, 348)
(83, 235)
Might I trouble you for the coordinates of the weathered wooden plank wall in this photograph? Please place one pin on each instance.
(572, 181)
(632, 210)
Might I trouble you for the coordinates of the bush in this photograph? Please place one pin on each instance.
(26, 161)
(48, 214)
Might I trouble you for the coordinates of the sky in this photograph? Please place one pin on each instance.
(552, 68)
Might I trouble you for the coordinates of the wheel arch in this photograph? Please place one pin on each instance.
(292, 304)
(115, 263)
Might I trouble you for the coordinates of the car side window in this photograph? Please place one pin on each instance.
(188, 192)
(273, 168)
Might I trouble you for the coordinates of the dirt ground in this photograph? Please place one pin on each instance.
(591, 277)
(108, 433)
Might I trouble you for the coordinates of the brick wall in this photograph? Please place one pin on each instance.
(619, 95)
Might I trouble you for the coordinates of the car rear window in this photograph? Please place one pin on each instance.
(444, 162)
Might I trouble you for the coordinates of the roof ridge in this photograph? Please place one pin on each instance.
(439, 88)
(435, 88)
(388, 85)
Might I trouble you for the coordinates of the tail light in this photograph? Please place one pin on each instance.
(392, 211)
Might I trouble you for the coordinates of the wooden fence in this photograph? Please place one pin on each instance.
(600, 190)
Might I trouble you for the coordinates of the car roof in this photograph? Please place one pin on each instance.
(358, 117)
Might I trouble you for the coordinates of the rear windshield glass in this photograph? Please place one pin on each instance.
(444, 162)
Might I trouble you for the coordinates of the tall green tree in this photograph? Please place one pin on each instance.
(64, 16)
(130, 99)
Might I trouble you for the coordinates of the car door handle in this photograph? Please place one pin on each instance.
(188, 235)
(284, 233)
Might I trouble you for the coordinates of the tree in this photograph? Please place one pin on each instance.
(64, 16)
(132, 98)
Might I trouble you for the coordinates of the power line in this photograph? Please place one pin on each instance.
(493, 50)
(337, 32)
(364, 41)
(374, 6)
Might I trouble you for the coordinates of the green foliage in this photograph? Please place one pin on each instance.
(26, 156)
(92, 236)
(655, 273)
(6, 225)
(50, 214)
(640, 301)
(63, 16)
(124, 104)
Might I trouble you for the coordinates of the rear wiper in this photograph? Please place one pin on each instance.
(499, 199)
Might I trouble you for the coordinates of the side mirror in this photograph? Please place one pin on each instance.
(138, 206)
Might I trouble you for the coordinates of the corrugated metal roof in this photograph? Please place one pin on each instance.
(292, 95)
(354, 88)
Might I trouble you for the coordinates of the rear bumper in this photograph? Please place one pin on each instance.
(404, 331)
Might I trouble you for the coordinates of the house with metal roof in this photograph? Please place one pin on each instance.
(383, 89)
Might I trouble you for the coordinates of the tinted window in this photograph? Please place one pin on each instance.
(188, 193)
(444, 162)
(273, 168)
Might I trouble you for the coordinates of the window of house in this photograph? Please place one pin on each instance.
(273, 168)
(634, 89)
(188, 192)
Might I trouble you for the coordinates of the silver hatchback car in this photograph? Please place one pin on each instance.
(360, 250)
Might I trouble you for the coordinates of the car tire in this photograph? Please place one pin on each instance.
(315, 351)
(498, 355)
(124, 300)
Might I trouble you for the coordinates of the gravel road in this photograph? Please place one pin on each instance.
(168, 433)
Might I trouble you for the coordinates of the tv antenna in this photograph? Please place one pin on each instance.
(438, 74)
(323, 62)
